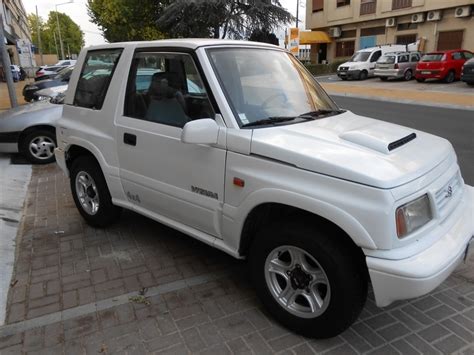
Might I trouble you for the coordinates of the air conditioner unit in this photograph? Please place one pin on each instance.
(462, 11)
(391, 22)
(418, 18)
(433, 16)
(335, 32)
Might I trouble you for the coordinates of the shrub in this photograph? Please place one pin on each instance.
(321, 69)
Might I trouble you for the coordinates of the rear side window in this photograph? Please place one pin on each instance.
(403, 58)
(95, 77)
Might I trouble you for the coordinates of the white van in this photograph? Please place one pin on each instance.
(362, 63)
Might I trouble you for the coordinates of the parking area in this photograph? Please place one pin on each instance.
(141, 287)
(431, 93)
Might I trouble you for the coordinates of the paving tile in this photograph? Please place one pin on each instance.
(450, 344)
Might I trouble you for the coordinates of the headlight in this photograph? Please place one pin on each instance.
(413, 215)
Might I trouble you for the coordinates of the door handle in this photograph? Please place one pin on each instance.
(130, 139)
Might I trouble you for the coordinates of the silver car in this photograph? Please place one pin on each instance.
(397, 65)
(30, 129)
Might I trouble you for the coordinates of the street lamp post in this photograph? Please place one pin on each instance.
(59, 27)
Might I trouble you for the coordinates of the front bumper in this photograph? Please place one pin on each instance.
(415, 276)
(348, 74)
(61, 160)
(468, 77)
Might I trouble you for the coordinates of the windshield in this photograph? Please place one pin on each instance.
(360, 57)
(64, 74)
(433, 57)
(262, 83)
(387, 59)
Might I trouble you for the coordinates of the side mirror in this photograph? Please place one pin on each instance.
(203, 131)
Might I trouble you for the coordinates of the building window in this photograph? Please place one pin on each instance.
(450, 40)
(318, 5)
(368, 7)
(349, 34)
(400, 4)
(372, 31)
(341, 3)
(345, 48)
(406, 39)
(407, 26)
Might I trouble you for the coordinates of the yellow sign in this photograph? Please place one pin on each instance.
(294, 40)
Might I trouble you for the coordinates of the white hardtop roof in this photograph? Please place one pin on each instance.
(191, 43)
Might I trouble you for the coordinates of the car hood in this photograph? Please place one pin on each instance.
(34, 110)
(52, 91)
(352, 64)
(355, 148)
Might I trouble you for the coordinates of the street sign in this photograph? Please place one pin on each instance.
(294, 42)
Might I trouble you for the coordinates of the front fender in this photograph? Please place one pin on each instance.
(234, 217)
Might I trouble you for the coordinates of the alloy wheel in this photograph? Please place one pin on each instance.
(87, 194)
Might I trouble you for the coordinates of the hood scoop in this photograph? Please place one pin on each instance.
(382, 138)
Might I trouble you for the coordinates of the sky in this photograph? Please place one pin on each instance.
(77, 10)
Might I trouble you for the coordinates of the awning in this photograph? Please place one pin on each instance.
(313, 37)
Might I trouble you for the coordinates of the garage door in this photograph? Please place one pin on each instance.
(450, 40)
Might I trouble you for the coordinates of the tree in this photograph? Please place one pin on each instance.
(264, 36)
(125, 20)
(71, 33)
(222, 18)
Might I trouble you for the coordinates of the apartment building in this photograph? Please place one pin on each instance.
(17, 33)
(357, 24)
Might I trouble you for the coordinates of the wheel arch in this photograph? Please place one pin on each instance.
(30, 129)
(322, 213)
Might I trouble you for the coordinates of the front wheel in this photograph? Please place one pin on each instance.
(91, 194)
(363, 75)
(38, 146)
(313, 283)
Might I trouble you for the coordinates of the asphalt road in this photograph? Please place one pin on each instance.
(453, 124)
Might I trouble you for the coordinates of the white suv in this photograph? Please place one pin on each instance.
(235, 144)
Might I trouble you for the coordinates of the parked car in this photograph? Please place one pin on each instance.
(362, 63)
(66, 62)
(263, 165)
(397, 65)
(442, 65)
(48, 72)
(15, 69)
(467, 74)
(50, 93)
(30, 130)
(61, 78)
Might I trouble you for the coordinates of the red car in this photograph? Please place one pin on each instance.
(442, 65)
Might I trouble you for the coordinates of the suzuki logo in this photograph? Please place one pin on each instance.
(449, 192)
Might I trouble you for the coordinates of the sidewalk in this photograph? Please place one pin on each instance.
(140, 287)
(430, 93)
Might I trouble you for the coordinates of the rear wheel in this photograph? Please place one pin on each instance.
(38, 146)
(449, 77)
(310, 281)
(91, 194)
(408, 75)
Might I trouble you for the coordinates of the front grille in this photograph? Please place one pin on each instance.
(448, 194)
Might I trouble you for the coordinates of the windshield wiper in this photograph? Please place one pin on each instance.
(270, 120)
(311, 115)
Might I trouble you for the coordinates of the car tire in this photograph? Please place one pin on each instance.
(363, 75)
(420, 80)
(38, 146)
(383, 78)
(337, 298)
(91, 194)
(450, 77)
(408, 75)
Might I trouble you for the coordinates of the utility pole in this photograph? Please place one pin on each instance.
(6, 66)
(55, 43)
(40, 49)
(297, 12)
